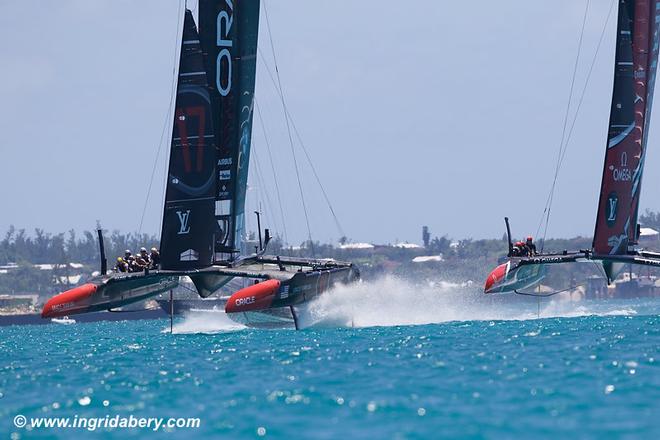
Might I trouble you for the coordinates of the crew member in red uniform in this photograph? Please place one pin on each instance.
(531, 247)
(519, 249)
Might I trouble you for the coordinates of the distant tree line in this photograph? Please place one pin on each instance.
(650, 219)
(43, 247)
(465, 259)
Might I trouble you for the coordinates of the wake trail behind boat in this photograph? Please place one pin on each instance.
(392, 301)
(206, 322)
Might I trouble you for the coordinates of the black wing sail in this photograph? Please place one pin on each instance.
(229, 33)
(188, 223)
(205, 198)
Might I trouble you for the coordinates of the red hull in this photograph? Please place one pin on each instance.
(69, 302)
(256, 297)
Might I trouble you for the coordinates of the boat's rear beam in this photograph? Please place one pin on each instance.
(630, 259)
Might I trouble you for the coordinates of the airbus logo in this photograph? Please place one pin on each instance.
(184, 228)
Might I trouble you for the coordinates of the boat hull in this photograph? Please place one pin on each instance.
(510, 277)
(108, 292)
(302, 287)
(519, 273)
(279, 283)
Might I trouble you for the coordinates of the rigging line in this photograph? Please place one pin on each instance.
(184, 287)
(288, 128)
(316, 176)
(264, 198)
(591, 68)
(173, 111)
(262, 194)
(568, 107)
(272, 167)
(304, 148)
(599, 268)
(568, 110)
(153, 170)
(582, 95)
(165, 129)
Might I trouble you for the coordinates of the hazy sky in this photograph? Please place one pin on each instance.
(426, 112)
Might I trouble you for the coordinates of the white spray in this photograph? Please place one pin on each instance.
(390, 301)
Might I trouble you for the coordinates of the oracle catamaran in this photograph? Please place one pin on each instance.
(617, 231)
(204, 211)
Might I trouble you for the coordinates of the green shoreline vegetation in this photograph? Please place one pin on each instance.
(462, 260)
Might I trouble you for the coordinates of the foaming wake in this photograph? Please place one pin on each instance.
(565, 308)
(391, 301)
(209, 322)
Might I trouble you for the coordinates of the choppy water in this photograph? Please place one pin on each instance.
(471, 367)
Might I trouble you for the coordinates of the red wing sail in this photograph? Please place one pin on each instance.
(634, 79)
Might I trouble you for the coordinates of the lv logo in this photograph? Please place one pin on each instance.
(611, 216)
(183, 221)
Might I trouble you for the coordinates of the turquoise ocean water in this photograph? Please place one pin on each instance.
(484, 370)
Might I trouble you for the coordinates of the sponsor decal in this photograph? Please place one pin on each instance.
(189, 255)
(611, 209)
(222, 208)
(223, 62)
(226, 161)
(623, 173)
(245, 301)
(63, 306)
(224, 175)
(222, 235)
(617, 241)
(183, 222)
(541, 260)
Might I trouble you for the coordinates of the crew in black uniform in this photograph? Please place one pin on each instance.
(155, 258)
(145, 256)
(140, 264)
